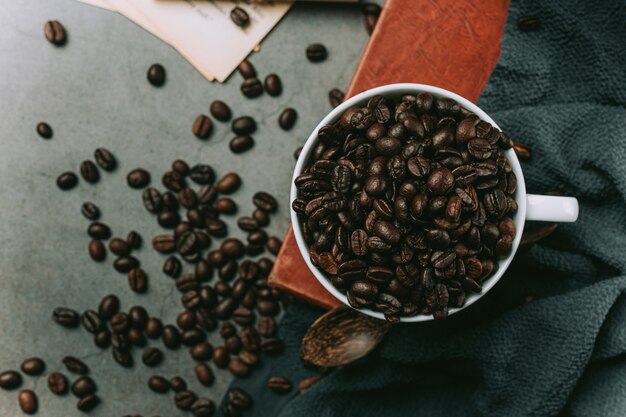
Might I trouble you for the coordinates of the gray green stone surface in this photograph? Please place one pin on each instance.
(93, 92)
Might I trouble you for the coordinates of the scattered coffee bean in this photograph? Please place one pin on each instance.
(370, 21)
(273, 244)
(102, 339)
(251, 87)
(316, 52)
(33, 366)
(172, 267)
(522, 150)
(154, 328)
(67, 181)
(152, 356)
(91, 321)
(203, 407)
(178, 384)
(184, 399)
(267, 326)
(221, 357)
(88, 403)
(529, 23)
(66, 317)
(125, 264)
(229, 183)
(44, 130)
(10, 380)
(204, 374)
(137, 278)
(279, 384)
(335, 97)
(158, 384)
(156, 75)
(105, 159)
(123, 358)
(238, 367)
(119, 247)
(97, 250)
(54, 32)
(109, 305)
(89, 172)
(241, 143)
(297, 153)
(202, 174)
(307, 383)
(138, 178)
(28, 401)
(287, 118)
(90, 211)
(83, 386)
(98, 230)
(57, 383)
(246, 69)
(202, 127)
(171, 337)
(239, 17)
(240, 398)
(75, 365)
(273, 85)
(133, 239)
(243, 125)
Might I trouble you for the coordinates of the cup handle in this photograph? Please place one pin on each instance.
(548, 208)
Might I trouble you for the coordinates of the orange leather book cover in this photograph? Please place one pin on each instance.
(453, 44)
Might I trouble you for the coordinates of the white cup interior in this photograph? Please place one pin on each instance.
(395, 91)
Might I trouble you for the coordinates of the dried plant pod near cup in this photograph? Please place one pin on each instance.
(341, 336)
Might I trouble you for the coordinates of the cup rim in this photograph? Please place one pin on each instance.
(399, 89)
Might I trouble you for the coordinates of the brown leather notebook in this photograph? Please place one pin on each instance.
(453, 44)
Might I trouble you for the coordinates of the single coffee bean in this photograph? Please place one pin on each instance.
(44, 130)
(152, 356)
(28, 401)
(136, 337)
(105, 159)
(89, 172)
(202, 127)
(109, 305)
(203, 407)
(335, 97)
(138, 178)
(75, 365)
(221, 357)
(171, 337)
(272, 346)
(173, 181)
(83, 386)
(243, 125)
(158, 384)
(57, 383)
(178, 384)
(33, 366)
(220, 111)
(233, 344)
(202, 174)
(230, 410)
(529, 23)
(226, 205)
(247, 224)
(307, 383)
(54, 32)
(152, 200)
(239, 17)
(10, 380)
(370, 21)
(233, 248)
(192, 336)
(279, 384)
(120, 322)
(154, 328)
(522, 150)
(202, 351)
(261, 217)
(266, 326)
(90, 211)
(164, 243)
(273, 85)
(88, 402)
(123, 358)
(204, 374)
(241, 143)
(91, 321)
(66, 317)
(172, 267)
(125, 264)
(99, 230)
(265, 201)
(240, 398)
(67, 181)
(316, 52)
(97, 250)
(133, 239)
(102, 339)
(156, 75)
(138, 317)
(119, 247)
(137, 280)
(251, 87)
(273, 245)
(237, 367)
(229, 183)
(184, 399)
(287, 118)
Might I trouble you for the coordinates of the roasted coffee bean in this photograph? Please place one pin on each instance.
(171, 337)
(370, 20)
(119, 247)
(241, 143)
(66, 317)
(138, 317)
(173, 181)
(137, 280)
(440, 181)
(158, 384)
(190, 300)
(251, 87)
(246, 69)
(10, 380)
(27, 401)
(267, 326)
(273, 245)
(181, 167)
(88, 403)
(273, 85)
(335, 97)
(109, 305)
(102, 339)
(99, 230)
(89, 172)
(307, 383)
(202, 174)
(133, 239)
(240, 398)
(123, 358)
(265, 201)
(233, 248)
(97, 250)
(172, 267)
(227, 329)
(522, 150)
(202, 126)
(57, 383)
(238, 367)
(192, 337)
(54, 32)
(120, 322)
(203, 407)
(186, 320)
(220, 110)
(229, 183)
(33, 366)
(105, 159)
(250, 339)
(272, 346)
(221, 357)
(239, 17)
(243, 125)
(529, 23)
(136, 337)
(91, 321)
(156, 75)
(287, 118)
(90, 211)
(67, 181)
(184, 399)
(152, 200)
(247, 224)
(316, 52)
(202, 351)
(154, 328)
(204, 374)
(230, 410)
(44, 130)
(164, 243)
(138, 178)
(152, 356)
(83, 386)
(178, 384)
(279, 384)
(243, 316)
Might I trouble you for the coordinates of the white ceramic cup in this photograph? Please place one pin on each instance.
(530, 206)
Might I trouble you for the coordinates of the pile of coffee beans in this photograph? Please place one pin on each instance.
(407, 204)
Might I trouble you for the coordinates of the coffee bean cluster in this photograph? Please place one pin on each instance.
(407, 204)
(88, 169)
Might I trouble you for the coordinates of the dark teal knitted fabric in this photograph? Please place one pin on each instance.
(562, 90)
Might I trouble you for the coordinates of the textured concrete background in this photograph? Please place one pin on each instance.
(93, 92)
